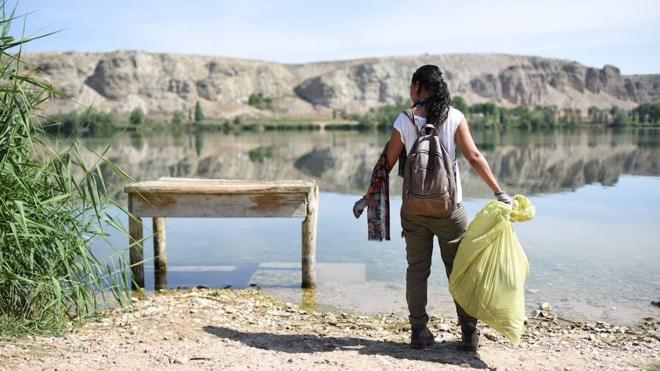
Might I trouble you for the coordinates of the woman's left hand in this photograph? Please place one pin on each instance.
(505, 198)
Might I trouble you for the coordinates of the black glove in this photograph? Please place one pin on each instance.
(504, 197)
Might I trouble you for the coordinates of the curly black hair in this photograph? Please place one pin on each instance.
(437, 104)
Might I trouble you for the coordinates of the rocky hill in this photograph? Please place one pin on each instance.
(161, 83)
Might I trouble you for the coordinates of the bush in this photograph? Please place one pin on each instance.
(136, 117)
(178, 118)
(259, 101)
(260, 153)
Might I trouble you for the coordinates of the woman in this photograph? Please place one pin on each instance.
(430, 97)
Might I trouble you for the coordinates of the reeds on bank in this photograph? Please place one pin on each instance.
(52, 208)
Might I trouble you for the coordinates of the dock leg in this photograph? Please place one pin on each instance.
(309, 239)
(136, 252)
(160, 253)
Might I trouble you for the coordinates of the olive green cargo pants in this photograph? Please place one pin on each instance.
(419, 232)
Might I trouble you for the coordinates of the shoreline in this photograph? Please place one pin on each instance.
(239, 329)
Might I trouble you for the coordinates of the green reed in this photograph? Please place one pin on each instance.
(52, 208)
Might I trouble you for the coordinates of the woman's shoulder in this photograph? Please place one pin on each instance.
(453, 111)
(455, 116)
(401, 120)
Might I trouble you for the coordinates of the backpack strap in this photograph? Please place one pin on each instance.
(411, 117)
(430, 126)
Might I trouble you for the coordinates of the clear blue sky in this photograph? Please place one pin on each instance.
(622, 33)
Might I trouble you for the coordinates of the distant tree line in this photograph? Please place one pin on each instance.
(479, 114)
(491, 114)
(87, 122)
(93, 122)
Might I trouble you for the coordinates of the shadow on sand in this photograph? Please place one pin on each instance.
(444, 352)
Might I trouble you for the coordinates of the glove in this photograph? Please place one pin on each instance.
(359, 206)
(505, 198)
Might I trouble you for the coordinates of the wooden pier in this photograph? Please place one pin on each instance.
(215, 198)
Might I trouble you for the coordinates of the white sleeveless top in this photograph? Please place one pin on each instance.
(447, 136)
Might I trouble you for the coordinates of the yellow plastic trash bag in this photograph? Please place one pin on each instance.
(490, 268)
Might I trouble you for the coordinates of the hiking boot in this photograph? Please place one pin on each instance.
(470, 335)
(421, 337)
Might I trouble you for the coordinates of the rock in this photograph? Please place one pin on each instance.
(490, 335)
(200, 301)
(546, 306)
(180, 360)
(443, 327)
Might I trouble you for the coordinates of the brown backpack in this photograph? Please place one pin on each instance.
(429, 184)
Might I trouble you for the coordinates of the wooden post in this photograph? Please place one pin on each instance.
(136, 251)
(309, 239)
(160, 254)
(160, 244)
(160, 280)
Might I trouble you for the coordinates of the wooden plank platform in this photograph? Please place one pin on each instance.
(218, 198)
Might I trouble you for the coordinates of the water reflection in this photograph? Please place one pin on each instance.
(592, 250)
(526, 162)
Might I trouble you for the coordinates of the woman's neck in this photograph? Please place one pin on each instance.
(419, 111)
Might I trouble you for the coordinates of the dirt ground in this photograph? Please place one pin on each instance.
(245, 329)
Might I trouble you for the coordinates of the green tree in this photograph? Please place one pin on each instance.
(199, 114)
(487, 109)
(178, 118)
(136, 117)
(619, 117)
(597, 115)
(505, 116)
(549, 115)
(460, 104)
(648, 112)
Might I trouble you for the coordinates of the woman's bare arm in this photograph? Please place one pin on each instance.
(392, 155)
(394, 149)
(475, 158)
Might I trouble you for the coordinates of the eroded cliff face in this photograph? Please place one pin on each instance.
(162, 83)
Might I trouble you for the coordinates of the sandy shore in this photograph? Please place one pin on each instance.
(245, 329)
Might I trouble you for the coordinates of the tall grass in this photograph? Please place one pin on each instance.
(52, 208)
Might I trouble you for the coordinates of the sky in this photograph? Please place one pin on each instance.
(622, 33)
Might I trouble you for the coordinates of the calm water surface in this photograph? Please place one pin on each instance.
(593, 247)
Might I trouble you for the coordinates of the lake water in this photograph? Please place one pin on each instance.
(593, 248)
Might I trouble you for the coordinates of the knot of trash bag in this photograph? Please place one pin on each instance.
(523, 210)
